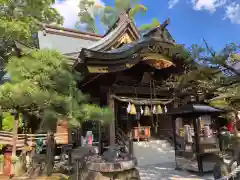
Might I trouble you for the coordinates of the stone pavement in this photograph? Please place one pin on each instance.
(156, 161)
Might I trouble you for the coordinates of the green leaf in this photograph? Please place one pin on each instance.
(43, 85)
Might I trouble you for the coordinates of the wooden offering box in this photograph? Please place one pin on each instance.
(141, 132)
(62, 132)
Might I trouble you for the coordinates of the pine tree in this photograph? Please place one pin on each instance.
(43, 86)
(21, 19)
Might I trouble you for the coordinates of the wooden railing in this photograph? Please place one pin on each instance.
(6, 138)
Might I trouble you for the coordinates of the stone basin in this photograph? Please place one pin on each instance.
(98, 164)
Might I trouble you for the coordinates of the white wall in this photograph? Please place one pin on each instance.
(63, 44)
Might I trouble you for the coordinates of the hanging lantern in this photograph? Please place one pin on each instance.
(159, 109)
(128, 108)
(154, 110)
(133, 109)
(147, 111)
(141, 110)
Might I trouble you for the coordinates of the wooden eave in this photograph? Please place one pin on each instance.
(118, 61)
(50, 29)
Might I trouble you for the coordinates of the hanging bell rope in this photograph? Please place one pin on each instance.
(157, 112)
(151, 97)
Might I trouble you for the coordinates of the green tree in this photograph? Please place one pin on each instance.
(19, 20)
(44, 86)
(89, 12)
(212, 74)
(87, 16)
(8, 121)
(110, 14)
(152, 25)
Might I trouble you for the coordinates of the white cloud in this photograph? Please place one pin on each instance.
(172, 3)
(209, 5)
(69, 10)
(231, 7)
(233, 13)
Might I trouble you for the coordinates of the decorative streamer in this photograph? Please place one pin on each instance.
(129, 108)
(154, 110)
(141, 110)
(165, 109)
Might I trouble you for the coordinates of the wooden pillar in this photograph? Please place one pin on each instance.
(15, 133)
(112, 127)
(173, 121)
(197, 141)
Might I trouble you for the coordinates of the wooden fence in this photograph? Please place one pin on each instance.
(6, 138)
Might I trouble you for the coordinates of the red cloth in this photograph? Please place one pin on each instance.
(229, 126)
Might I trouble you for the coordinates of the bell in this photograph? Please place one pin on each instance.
(128, 108)
(133, 109)
(159, 109)
(147, 111)
(154, 110)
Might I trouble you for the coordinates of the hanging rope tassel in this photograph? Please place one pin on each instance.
(151, 92)
(157, 113)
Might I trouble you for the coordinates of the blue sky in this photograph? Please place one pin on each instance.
(217, 21)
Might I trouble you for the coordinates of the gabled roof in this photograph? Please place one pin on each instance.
(123, 17)
(123, 25)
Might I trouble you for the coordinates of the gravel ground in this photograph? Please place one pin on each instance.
(156, 161)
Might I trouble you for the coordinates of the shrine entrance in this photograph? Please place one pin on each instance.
(140, 118)
(131, 123)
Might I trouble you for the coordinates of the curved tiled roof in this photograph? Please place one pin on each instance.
(126, 50)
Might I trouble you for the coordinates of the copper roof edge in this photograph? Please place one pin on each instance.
(66, 31)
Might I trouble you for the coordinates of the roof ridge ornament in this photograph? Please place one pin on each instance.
(165, 23)
(123, 16)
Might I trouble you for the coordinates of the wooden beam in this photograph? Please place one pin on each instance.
(141, 90)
